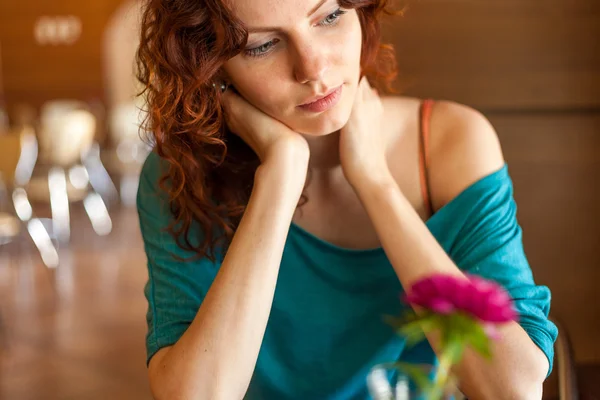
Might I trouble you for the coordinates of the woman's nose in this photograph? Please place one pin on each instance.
(310, 64)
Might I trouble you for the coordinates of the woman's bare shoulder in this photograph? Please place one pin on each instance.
(463, 148)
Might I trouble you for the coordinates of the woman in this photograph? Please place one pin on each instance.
(272, 258)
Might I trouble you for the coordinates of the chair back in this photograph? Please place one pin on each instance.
(67, 133)
(18, 156)
(125, 122)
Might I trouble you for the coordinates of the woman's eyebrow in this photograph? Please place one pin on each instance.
(315, 8)
(277, 29)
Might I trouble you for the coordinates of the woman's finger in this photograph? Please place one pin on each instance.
(231, 108)
(226, 97)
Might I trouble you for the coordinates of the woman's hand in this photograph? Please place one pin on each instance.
(362, 144)
(267, 136)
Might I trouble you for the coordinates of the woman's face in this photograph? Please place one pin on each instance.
(299, 51)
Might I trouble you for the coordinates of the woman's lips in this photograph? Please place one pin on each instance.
(325, 103)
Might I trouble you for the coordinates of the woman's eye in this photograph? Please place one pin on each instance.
(262, 49)
(333, 18)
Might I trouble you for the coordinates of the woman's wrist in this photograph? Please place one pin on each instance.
(372, 182)
(284, 172)
(290, 155)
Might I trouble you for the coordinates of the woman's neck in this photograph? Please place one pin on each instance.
(324, 153)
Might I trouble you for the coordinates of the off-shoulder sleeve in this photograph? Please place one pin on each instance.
(480, 232)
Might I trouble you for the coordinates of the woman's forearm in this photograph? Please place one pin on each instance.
(216, 356)
(518, 367)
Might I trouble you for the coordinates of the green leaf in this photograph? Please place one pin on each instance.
(454, 349)
(434, 392)
(480, 342)
(469, 330)
(413, 332)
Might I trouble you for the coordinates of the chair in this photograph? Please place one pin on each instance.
(130, 150)
(9, 159)
(565, 364)
(76, 173)
(18, 155)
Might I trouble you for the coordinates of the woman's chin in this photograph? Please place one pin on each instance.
(318, 133)
(323, 127)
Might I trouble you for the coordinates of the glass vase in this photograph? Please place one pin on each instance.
(390, 381)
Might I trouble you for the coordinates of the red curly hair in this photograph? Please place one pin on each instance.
(211, 171)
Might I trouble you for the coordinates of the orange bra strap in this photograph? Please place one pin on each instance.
(425, 116)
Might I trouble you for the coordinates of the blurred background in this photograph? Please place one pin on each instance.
(72, 266)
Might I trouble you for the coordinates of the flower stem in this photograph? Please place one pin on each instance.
(451, 354)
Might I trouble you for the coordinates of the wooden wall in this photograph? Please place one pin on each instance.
(34, 73)
(533, 67)
(502, 55)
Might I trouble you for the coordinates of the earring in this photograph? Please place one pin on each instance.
(222, 86)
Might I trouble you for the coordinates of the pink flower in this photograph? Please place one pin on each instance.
(444, 294)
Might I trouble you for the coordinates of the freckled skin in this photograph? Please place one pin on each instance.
(308, 57)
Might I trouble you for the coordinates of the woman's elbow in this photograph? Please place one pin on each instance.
(162, 389)
(530, 386)
(165, 384)
(528, 391)
(182, 391)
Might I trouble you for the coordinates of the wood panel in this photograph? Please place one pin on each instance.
(501, 54)
(35, 73)
(554, 160)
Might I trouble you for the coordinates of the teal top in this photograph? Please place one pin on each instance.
(325, 330)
